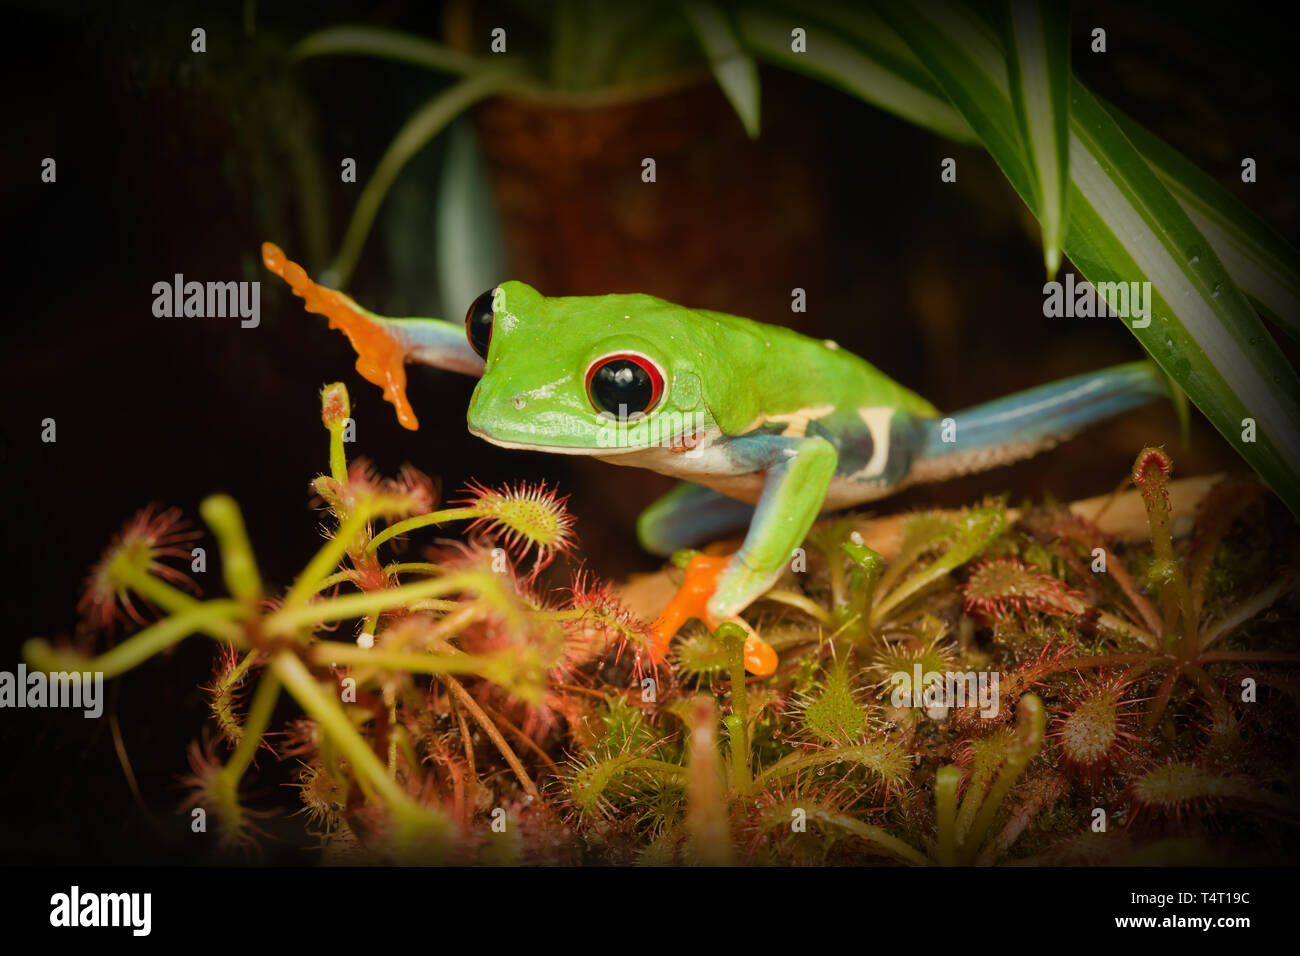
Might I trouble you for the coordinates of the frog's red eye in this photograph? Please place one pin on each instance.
(624, 384)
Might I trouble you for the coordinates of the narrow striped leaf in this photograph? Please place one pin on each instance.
(868, 68)
(732, 66)
(1038, 64)
(1259, 260)
(1125, 226)
(426, 123)
(967, 62)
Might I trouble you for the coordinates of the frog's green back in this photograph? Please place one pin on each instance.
(792, 371)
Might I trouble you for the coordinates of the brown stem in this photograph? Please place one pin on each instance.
(1213, 695)
(471, 797)
(1262, 657)
(528, 741)
(1248, 609)
(463, 696)
(1140, 600)
(576, 689)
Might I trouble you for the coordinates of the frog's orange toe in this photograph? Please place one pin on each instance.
(691, 600)
(760, 659)
(380, 354)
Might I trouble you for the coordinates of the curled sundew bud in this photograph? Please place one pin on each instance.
(1151, 473)
(335, 405)
(524, 516)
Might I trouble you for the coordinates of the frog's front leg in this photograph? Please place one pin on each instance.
(796, 474)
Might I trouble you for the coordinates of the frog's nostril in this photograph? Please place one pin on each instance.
(518, 402)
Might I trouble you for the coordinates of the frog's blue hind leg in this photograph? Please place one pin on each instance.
(688, 516)
(435, 342)
(1028, 422)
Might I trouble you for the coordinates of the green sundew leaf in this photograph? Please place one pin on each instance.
(831, 820)
(590, 782)
(625, 728)
(967, 62)
(863, 65)
(922, 533)
(885, 759)
(1038, 64)
(835, 715)
(470, 253)
(976, 530)
(700, 654)
(1174, 787)
(1260, 261)
(925, 530)
(388, 45)
(933, 658)
(1125, 226)
(733, 68)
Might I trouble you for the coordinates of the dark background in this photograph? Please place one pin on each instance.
(170, 162)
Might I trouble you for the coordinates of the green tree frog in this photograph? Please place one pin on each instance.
(766, 427)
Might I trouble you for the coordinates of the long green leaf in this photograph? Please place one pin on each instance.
(732, 66)
(388, 45)
(423, 126)
(865, 66)
(968, 64)
(1038, 63)
(1259, 260)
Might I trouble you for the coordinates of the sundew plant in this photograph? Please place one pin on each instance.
(1005, 686)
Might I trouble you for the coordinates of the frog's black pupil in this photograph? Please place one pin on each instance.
(622, 382)
(478, 323)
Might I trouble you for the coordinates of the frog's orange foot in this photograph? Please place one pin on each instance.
(381, 355)
(700, 582)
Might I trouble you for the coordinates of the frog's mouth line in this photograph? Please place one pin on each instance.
(552, 449)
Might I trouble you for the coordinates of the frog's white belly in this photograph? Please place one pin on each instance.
(711, 466)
